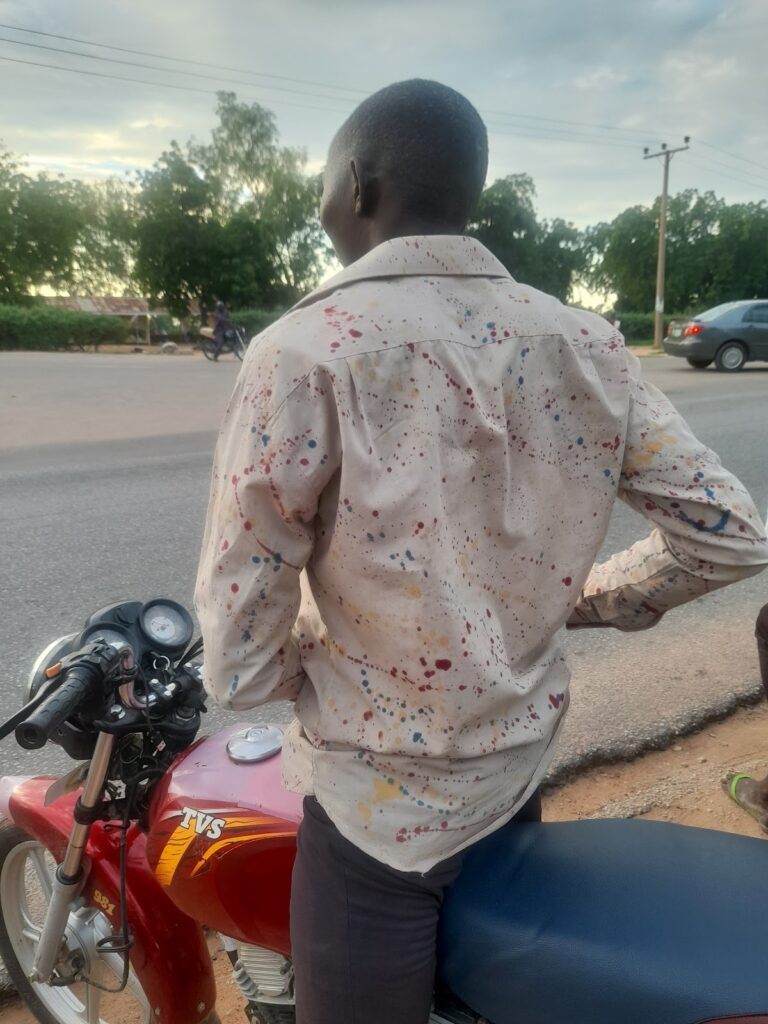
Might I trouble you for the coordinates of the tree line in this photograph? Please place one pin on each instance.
(235, 218)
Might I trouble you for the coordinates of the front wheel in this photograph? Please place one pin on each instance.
(208, 345)
(26, 877)
(731, 357)
(699, 364)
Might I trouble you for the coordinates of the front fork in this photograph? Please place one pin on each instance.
(69, 876)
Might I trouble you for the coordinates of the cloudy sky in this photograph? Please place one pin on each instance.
(572, 90)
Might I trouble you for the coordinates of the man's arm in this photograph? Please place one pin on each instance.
(272, 464)
(708, 532)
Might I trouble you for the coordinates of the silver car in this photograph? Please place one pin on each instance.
(728, 336)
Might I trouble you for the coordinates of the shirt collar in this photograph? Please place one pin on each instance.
(415, 256)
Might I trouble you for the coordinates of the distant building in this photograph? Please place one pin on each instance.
(136, 311)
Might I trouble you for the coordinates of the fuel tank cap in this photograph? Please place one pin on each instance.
(256, 743)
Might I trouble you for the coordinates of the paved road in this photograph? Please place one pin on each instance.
(104, 464)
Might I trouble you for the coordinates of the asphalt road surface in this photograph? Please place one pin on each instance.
(104, 466)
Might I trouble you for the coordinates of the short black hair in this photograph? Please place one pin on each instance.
(429, 141)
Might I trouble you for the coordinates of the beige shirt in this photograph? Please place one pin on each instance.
(413, 479)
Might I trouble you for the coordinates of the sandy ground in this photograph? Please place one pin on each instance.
(678, 784)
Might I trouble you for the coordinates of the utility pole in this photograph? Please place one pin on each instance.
(667, 153)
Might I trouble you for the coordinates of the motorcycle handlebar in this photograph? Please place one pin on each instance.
(35, 732)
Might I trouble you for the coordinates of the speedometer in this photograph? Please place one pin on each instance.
(167, 625)
(109, 633)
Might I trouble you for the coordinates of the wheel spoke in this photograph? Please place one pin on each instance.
(32, 932)
(42, 871)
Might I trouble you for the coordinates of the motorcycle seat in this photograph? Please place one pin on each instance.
(609, 922)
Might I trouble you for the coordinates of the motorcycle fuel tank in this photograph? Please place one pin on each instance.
(222, 836)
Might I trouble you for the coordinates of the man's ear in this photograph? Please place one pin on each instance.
(366, 189)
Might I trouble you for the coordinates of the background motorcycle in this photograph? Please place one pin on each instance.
(234, 341)
(108, 875)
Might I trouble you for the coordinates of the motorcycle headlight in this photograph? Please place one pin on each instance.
(54, 652)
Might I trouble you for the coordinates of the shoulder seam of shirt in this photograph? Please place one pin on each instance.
(394, 348)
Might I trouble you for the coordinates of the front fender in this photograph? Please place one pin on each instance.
(169, 952)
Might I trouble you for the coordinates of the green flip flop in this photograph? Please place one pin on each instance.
(730, 782)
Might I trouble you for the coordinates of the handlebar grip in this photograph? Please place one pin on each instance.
(53, 712)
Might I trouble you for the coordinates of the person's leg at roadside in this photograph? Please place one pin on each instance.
(218, 338)
(749, 793)
(364, 935)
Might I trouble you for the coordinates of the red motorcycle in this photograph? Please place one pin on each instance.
(109, 876)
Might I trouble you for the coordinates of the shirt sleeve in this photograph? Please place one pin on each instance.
(272, 464)
(707, 533)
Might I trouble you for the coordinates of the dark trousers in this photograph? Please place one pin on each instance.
(761, 632)
(363, 935)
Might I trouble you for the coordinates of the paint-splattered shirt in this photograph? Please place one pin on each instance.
(414, 476)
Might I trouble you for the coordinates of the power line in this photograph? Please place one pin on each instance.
(557, 135)
(538, 122)
(758, 186)
(323, 85)
(645, 133)
(181, 60)
(505, 130)
(751, 176)
(170, 71)
(734, 156)
(158, 85)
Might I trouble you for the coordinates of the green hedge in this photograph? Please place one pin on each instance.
(639, 326)
(255, 320)
(42, 328)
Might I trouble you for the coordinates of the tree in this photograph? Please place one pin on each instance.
(545, 254)
(105, 251)
(179, 239)
(40, 222)
(715, 253)
(234, 219)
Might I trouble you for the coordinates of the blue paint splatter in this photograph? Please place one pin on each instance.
(256, 560)
(234, 684)
(265, 439)
(312, 444)
(409, 556)
(717, 528)
(579, 440)
(521, 380)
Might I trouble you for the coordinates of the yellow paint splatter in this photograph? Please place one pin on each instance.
(365, 811)
(414, 591)
(385, 791)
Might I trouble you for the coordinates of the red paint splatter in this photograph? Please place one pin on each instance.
(234, 588)
(368, 715)
(443, 664)
(224, 545)
(355, 334)
(304, 462)
(584, 330)
(247, 525)
(567, 581)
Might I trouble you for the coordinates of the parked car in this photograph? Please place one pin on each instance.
(728, 336)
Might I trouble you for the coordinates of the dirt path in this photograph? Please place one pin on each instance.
(679, 784)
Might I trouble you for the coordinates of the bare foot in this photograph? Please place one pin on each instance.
(750, 794)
